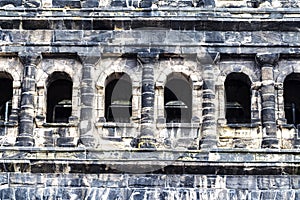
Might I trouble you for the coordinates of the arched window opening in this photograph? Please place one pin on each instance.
(178, 99)
(118, 98)
(238, 98)
(291, 95)
(6, 94)
(59, 98)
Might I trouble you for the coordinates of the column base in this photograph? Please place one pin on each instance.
(208, 143)
(147, 143)
(24, 141)
(271, 143)
(87, 141)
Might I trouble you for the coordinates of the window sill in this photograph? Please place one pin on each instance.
(181, 125)
(116, 124)
(288, 126)
(8, 124)
(59, 124)
(241, 125)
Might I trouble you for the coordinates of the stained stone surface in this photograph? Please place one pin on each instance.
(89, 156)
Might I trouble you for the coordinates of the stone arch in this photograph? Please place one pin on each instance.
(117, 65)
(118, 98)
(115, 68)
(194, 77)
(15, 72)
(178, 98)
(69, 66)
(238, 97)
(6, 95)
(291, 98)
(238, 69)
(284, 73)
(59, 97)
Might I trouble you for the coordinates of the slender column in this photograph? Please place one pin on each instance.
(30, 62)
(148, 60)
(88, 90)
(255, 103)
(209, 125)
(135, 102)
(221, 107)
(280, 105)
(267, 63)
(15, 102)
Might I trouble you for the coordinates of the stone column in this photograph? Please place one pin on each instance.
(87, 90)
(255, 103)
(30, 61)
(147, 136)
(267, 63)
(209, 124)
(280, 104)
(15, 102)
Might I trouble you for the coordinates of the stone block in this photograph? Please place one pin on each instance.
(90, 4)
(4, 179)
(273, 182)
(241, 182)
(15, 3)
(7, 193)
(20, 178)
(146, 181)
(295, 182)
(21, 193)
(66, 3)
(69, 36)
(214, 37)
(66, 142)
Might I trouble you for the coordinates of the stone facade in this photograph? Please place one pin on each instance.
(124, 99)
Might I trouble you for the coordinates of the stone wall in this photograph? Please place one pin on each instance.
(201, 154)
(147, 186)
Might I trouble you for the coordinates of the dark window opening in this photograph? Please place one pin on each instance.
(291, 97)
(178, 99)
(6, 94)
(59, 98)
(118, 98)
(238, 98)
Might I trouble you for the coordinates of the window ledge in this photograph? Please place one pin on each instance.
(116, 124)
(59, 124)
(8, 124)
(242, 125)
(182, 125)
(288, 126)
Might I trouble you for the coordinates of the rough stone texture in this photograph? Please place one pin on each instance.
(89, 157)
(110, 186)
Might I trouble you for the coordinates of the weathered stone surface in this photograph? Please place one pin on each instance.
(88, 157)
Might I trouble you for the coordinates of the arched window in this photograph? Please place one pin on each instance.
(238, 98)
(6, 94)
(291, 97)
(59, 97)
(178, 99)
(118, 97)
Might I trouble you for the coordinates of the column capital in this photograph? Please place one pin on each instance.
(267, 58)
(89, 58)
(148, 57)
(30, 58)
(206, 58)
